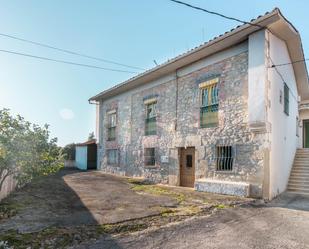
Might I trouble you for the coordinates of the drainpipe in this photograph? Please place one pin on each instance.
(176, 104)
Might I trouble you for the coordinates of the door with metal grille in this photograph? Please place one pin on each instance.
(187, 167)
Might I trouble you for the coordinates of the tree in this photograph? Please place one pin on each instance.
(69, 151)
(26, 151)
(91, 136)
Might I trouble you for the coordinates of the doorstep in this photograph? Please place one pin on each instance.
(223, 187)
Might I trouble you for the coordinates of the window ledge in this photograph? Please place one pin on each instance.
(151, 166)
(225, 172)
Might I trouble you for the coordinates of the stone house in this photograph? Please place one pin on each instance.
(219, 118)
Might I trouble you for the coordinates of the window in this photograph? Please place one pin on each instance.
(297, 126)
(149, 157)
(111, 126)
(151, 119)
(189, 161)
(112, 156)
(286, 99)
(225, 158)
(209, 103)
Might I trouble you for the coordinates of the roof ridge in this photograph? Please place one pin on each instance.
(275, 10)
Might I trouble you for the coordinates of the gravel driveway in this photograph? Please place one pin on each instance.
(283, 223)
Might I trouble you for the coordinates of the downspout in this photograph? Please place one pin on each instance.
(267, 150)
(98, 135)
(176, 103)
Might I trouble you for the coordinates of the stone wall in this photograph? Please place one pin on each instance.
(178, 112)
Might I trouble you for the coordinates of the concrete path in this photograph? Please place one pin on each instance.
(283, 223)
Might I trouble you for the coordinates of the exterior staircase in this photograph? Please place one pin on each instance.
(299, 178)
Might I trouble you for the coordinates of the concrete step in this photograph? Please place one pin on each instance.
(297, 192)
(299, 185)
(298, 189)
(299, 178)
(304, 170)
(305, 162)
(299, 167)
(297, 172)
(298, 181)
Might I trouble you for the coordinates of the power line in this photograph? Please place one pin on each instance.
(288, 63)
(238, 20)
(244, 22)
(65, 62)
(69, 51)
(214, 13)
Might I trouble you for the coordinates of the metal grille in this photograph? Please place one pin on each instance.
(149, 157)
(209, 116)
(112, 156)
(151, 126)
(225, 158)
(209, 106)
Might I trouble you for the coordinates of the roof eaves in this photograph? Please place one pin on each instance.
(216, 39)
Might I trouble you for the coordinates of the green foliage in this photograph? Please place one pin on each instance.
(91, 136)
(26, 151)
(69, 152)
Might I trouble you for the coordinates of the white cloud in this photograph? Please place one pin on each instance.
(66, 114)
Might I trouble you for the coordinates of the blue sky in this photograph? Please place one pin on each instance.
(133, 32)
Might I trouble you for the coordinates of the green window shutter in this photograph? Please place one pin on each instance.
(151, 119)
(286, 99)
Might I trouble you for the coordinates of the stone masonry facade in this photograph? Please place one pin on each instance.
(178, 126)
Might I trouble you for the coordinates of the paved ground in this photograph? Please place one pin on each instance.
(73, 206)
(283, 223)
(73, 198)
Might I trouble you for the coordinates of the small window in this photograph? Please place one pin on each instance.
(209, 104)
(151, 119)
(225, 158)
(111, 126)
(189, 161)
(286, 99)
(297, 126)
(112, 156)
(149, 157)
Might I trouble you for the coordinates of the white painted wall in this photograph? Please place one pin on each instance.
(256, 79)
(283, 137)
(81, 157)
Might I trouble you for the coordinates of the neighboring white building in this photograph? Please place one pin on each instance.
(221, 117)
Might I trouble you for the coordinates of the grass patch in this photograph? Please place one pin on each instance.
(63, 237)
(158, 190)
(221, 206)
(120, 228)
(8, 209)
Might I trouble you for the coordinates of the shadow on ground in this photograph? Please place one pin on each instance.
(39, 215)
(291, 201)
(71, 207)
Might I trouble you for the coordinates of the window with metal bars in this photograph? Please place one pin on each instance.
(224, 158)
(112, 156)
(209, 105)
(111, 126)
(149, 156)
(151, 119)
(286, 99)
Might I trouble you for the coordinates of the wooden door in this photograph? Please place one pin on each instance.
(187, 167)
(306, 133)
